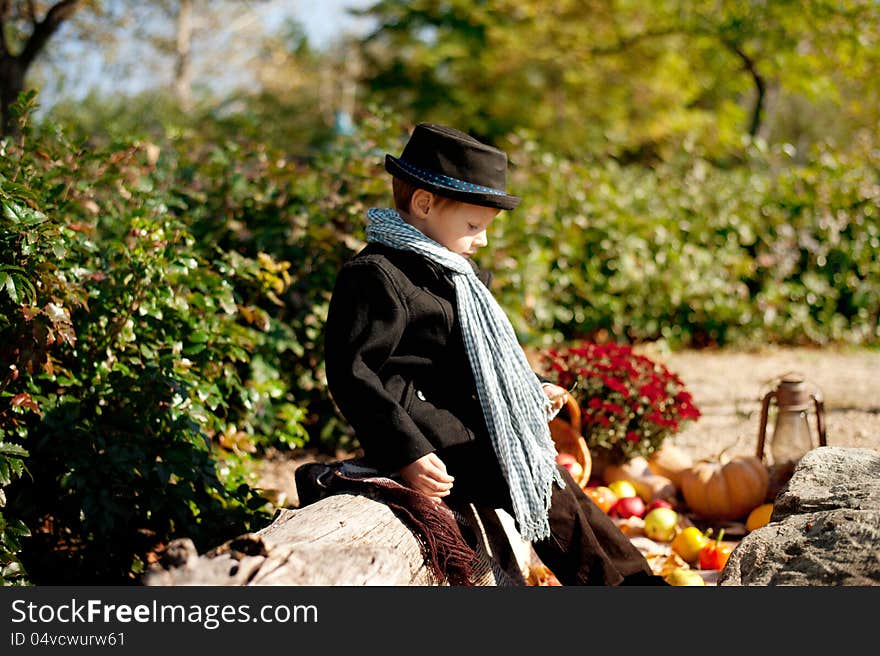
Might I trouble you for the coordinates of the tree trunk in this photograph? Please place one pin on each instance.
(751, 66)
(11, 85)
(343, 539)
(183, 68)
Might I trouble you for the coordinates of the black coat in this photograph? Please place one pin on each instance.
(398, 371)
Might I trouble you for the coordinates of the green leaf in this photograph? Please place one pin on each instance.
(18, 529)
(7, 283)
(13, 449)
(23, 284)
(22, 215)
(17, 467)
(11, 212)
(193, 349)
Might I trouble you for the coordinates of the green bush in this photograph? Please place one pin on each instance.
(133, 386)
(768, 250)
(307, 210)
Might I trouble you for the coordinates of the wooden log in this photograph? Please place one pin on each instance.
(343, 539)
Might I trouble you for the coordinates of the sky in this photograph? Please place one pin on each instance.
(75, 71)
(322, 19)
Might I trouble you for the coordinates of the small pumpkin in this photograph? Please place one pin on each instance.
(648, 485)
(727, 488)
(670, 461)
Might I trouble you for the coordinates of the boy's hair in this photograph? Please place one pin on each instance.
(403, 192)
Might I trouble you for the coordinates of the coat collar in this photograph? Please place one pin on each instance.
(411, 259)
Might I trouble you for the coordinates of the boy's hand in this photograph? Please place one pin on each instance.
(556, 394)
(428, 476)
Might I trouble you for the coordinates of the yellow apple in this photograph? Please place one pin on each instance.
(689, 543)
(682, 576)
(623, 489)
(661, 524)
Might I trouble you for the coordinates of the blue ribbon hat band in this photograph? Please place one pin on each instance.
(448, 181)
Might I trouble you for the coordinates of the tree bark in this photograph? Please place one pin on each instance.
(340, 540)
(343, 539)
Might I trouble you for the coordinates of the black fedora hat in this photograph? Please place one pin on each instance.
(453, 164)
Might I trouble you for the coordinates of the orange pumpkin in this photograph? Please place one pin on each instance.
(725, 489)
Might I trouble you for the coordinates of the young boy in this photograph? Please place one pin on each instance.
(426, 368)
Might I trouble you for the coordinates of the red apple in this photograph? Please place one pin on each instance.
(571, 464)
(628, 507)
(658, 503)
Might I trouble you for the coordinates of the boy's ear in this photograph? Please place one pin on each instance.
(420, 203)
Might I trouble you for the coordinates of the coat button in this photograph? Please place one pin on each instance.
(420, 395)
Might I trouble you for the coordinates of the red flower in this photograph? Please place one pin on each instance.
(632, 403)
(617, 386)
(651, 391)
(656, 417)
(613, 408)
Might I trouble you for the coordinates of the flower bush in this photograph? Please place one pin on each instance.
(629, 403)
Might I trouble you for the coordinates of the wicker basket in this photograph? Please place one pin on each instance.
(565, 429)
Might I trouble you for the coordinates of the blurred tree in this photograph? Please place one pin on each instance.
(296, 74)
(630, 78)
(161, 31)
(25, 29)
(192, 20)
(183, 69)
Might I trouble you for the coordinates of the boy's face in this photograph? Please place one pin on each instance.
(460, 227)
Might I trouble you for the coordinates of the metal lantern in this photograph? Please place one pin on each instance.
(791, 437)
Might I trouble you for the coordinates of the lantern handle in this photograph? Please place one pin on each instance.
(820, 417)
(762, 429)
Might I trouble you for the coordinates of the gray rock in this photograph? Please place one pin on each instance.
(832, 477)
(825, 528)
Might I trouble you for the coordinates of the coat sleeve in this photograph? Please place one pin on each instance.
(365, 322)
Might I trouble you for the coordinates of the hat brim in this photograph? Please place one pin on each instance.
(502, 201)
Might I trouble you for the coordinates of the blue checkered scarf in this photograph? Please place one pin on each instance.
(514, 405)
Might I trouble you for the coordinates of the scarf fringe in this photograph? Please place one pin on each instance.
(447, 554)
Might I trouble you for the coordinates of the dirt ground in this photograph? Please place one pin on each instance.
(727, 387)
